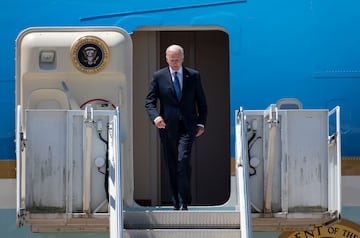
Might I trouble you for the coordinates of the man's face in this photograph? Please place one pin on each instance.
(174, 59)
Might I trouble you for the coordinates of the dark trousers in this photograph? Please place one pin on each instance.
(177, 155)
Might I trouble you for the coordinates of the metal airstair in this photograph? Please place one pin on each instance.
(74, 160)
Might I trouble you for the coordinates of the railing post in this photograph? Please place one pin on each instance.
(19, 141)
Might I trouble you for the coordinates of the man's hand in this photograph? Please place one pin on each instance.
(160, 123)
(200, 131)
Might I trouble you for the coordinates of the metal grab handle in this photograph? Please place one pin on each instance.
(89, 113)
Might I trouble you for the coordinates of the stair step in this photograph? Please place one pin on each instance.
(192, 219)
(182, 233)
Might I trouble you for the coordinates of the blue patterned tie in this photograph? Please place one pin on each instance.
(177, 86)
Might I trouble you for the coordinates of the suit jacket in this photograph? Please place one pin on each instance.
(192, 108)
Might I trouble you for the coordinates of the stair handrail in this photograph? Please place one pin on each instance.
(335, 170)
(115, 179)
(242, 175)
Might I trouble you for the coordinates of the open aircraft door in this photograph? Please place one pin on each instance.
(73, 94)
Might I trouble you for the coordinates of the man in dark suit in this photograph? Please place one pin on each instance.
(182, 118)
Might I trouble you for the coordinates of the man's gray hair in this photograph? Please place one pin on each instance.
(175, 48)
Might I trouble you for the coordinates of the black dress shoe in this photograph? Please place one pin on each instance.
(184, 207)
(176, 207)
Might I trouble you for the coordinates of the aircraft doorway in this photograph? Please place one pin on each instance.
(207, 51)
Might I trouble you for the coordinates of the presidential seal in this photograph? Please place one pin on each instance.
(345, 228)
(90, 54)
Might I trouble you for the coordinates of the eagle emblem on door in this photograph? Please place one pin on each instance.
(90, 54)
